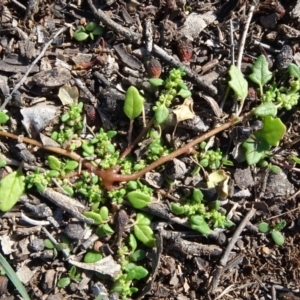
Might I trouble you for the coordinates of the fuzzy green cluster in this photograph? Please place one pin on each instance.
(201, 216)
(211, 159)
(72, 125)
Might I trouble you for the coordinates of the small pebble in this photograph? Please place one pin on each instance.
(36, 245)
(74, 231)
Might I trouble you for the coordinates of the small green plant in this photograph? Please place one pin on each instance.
(173, 86)
(201, 216)
(3, 117)
(89, 30)
(72, 125)
(130, 270)
(73, 275)
(274, 231)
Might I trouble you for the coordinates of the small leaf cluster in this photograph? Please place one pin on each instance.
(274, 231)
(201, 217)
(72, 275)
(58, 170)
(211, 159)
(101, 218)
(89, 30)
(72, 125)
(173, 86)
(130, 270)
(102, 146)
(89, 186)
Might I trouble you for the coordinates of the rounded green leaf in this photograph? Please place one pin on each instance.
(266, 109)
(104, 213)
(263, 227)
(54, 163)
(161, 114)
(3, 117)
(145, 234)
(91, 26)
(94, 216)
(197, 195)
(69, 190)
(156, 81)
(138, 255)
(71, 165)
(277, 237)
(132, 242)
(140, 272)
(294, 71)
(238, 83)
(107, 229)
(133, 104)
(138, 199)
(12, 187)
(273, 130)
(48, 244)
(63, 282)
(260, 71)
(184, 93)
(80, 35)
(177, 209)
(98, 30)
(199, 224)
(92, 256)
(255, 150)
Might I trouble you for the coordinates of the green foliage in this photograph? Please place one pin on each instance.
(201, 216)
(89, 30)
(211, 159)
(260, 72)
(3, 117)
(133, 104)
(65, 281)
(143, 231)
(138, 199)
(238, 83)
(173, 86)
(274, 231)
(12, 187)
(92, 256)
(130, 270)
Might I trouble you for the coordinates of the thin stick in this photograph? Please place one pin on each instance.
(128, 34)
(243, 40)
(19, 84)
(232, 43)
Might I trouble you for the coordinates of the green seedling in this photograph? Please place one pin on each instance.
(3, 117)
(73, 275)
(133, 107)
(89, 30)
(131, 272)
(173, 86)
(201, 216)
(274, 231)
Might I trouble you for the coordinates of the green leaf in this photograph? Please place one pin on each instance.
(98, 30)
(138, 199)
(91, 36)
(143, 231)
(275, 169)
(13, 277)
(92, 256)
(80, 36)
(104, 213)
(260, 71)
(184, 93)
(273, 130)
(69, 190)
(255, 150)
(294, 71)
(139, 271)
(12, 187)
(177, 209)
(3, 162)
(161, 114)
(263, 227)
(133, 104)
(277, 237)
(91, 26)
(199, 224)
(107, 229)
(156, 81)
(266, 109)
(72, 272)
(94, 216)
(280, 225)
(138, 255)
(63, 282)
(71, 165)
(54, 163)
(3, 117)
(48, 244)
(88, 149)
(197, 195)
(132, 242)
(295, 159)
(238, 83)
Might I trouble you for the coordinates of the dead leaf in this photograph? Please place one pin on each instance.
(219, 178)
(185, 110)
(68, 94)
(105, 266)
